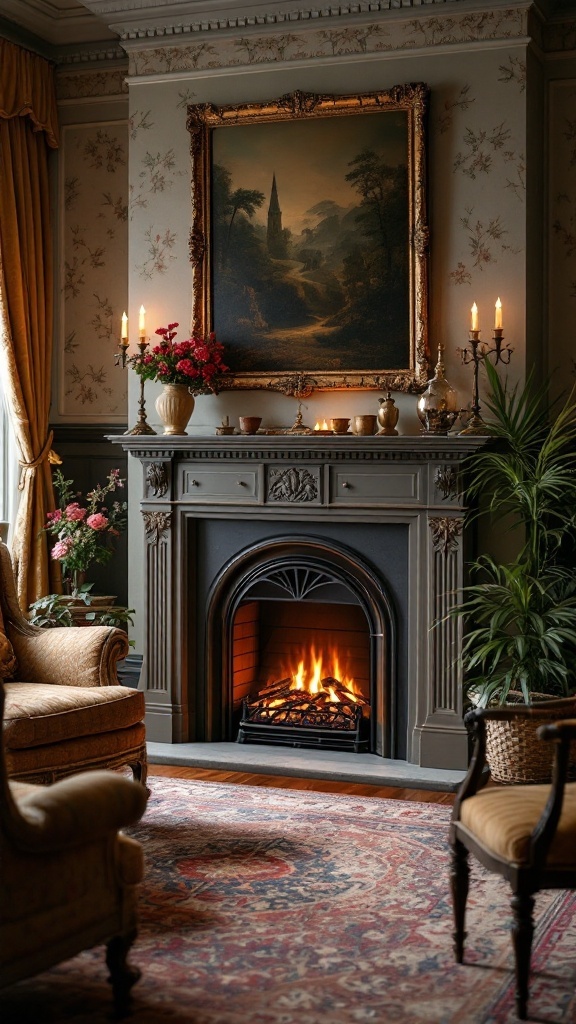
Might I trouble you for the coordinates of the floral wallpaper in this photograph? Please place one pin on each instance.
(382, 35)
(104, 82)
(94, 270)
(477, 170)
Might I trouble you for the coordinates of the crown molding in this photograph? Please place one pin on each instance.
(147, 21)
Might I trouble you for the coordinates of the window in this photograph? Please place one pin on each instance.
(8, 472)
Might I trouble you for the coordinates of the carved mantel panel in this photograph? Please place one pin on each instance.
(278, 479)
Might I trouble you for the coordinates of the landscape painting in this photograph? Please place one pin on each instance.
(303, 239)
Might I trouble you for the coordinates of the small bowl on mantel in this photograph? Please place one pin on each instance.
(249, 424)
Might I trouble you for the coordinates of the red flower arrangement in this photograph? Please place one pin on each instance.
(197, 362)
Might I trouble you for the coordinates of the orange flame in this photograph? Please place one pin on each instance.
(312, 667)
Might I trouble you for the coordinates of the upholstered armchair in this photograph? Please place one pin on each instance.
(65, 709)
(69, 878)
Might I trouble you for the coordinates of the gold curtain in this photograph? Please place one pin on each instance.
(28, 129)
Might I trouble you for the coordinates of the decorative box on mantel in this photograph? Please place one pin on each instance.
(254, 544)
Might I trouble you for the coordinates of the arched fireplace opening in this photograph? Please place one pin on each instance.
(301, 649)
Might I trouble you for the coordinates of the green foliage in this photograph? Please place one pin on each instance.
(520, 617)
(50, 611)
(531, 470)
(54, 610)
(523, 632)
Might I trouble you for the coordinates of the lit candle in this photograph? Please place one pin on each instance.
(498, 316)
(124, 334)
(474, 319)
(142, 323)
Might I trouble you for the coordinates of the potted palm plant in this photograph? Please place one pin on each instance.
(520, 615)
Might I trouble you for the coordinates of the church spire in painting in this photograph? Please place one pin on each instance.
(275, 234)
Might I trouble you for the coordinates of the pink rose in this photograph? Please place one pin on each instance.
(163, 369)
(74, 513)
(61, 548)
(97, 521)
(54, 517)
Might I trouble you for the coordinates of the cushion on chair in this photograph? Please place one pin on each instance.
(8, 663)
(40, 713)
(503, 818)
(109, 749)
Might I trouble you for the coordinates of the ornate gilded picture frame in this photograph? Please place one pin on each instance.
(309, 241)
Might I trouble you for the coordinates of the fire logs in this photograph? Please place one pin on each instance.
(334, 706)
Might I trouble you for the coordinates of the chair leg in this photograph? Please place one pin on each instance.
(140, 773)
(459, 882)
(122, 975)
(522, 931)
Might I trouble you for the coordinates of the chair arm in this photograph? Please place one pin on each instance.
(556, 708)
(558, 730)
(475, 777)
(561, 733)
(76, 810)
(70, 655)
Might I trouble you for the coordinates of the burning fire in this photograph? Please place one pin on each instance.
(316, 690)
(315, 674)
(311, 671)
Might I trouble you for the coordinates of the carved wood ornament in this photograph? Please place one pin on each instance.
(292, 485)
(156, 524)
(445, 533)
(156, 479)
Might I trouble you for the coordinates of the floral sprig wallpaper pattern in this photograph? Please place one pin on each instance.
(159, 257)
(157, 175)
(382, 34)
(483, 152)
(94, 269)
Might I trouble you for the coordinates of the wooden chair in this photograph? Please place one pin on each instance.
(526, 833)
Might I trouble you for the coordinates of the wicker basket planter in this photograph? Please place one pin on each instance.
(514, 752)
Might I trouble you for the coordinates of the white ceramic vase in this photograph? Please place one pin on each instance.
(175, 406)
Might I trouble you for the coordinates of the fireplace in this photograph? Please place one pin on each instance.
(301, 644)
(254, 544)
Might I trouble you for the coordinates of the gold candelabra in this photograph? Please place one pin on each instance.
(121, 358)
(475, 354)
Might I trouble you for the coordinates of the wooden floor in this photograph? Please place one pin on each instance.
(286, 782)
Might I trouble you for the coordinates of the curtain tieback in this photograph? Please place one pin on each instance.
(46, 453)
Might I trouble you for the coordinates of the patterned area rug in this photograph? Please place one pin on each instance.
(269, 906)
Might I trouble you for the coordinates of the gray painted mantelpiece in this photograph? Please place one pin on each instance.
(283, 479)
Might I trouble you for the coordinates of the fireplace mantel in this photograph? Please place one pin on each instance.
(282, 479)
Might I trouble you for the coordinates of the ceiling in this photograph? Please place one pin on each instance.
(56, 22)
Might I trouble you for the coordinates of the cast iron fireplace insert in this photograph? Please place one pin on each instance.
(308, 647)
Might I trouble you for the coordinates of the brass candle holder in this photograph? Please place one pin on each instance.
(475, 354)
(141, 426)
